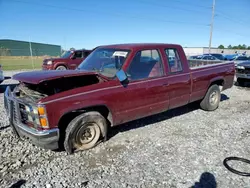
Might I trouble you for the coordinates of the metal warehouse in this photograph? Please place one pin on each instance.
(23, 48)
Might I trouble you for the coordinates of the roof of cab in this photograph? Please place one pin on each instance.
(139, 45)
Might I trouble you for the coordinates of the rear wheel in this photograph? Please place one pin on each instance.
(212, 99)
(84, 132)
(61, 67)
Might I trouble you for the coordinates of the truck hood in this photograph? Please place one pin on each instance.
(36, 77)
(244, 64)
(54, 59)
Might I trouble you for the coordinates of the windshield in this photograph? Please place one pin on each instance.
(66, 54)
(105, 61)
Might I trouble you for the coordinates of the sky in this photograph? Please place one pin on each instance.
(87, 24)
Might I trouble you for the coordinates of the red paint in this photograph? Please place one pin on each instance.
(36, 77)
(140, 98)
(68, 62)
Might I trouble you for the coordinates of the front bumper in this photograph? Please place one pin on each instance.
(47, 67)
(240, 75)
(47, 139)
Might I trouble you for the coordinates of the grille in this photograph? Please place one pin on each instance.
(23, 114)
(15, 112)
(243, 71)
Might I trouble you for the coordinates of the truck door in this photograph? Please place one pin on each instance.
(147, 90)
(179, 81)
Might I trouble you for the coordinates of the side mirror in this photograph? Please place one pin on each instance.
(121, 75)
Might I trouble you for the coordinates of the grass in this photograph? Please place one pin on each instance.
(20, 63)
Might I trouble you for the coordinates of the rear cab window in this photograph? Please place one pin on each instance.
(174, 62)
(86, 53)
(78, 54)
(145, 64)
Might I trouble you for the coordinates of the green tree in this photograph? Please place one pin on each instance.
(230, 46)
(244, 46)
(221, 47)
(248, 47)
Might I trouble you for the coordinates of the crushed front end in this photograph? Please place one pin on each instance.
(29, 120)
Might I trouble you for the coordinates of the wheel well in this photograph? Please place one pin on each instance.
(217, 82)
(66, 119)
(61, 65)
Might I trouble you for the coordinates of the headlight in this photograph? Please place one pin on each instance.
(49, 62)
(37, 115)
(240, 67)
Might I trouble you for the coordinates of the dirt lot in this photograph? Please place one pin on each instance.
(180, 148)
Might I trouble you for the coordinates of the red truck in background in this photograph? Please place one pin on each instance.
(113, 85)
(69, 60)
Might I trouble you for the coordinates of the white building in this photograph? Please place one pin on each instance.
(204, 50)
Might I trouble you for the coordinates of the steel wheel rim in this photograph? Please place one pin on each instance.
(87, 136)
(61, 68)
(213, 99)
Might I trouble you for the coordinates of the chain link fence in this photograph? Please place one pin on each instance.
(23, 59)
(19, 55)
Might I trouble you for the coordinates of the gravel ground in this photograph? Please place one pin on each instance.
(181, 148)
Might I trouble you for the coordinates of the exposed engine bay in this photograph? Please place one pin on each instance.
(35, 92)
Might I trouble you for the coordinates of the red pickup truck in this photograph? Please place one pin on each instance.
(113, 85)
(68, 60)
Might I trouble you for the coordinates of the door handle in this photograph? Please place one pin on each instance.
(165, 84)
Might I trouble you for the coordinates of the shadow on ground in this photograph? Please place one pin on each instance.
(5, 127)
(158, 117)
(18, 184)
(244, 85)
(7, 77)
(207, 180)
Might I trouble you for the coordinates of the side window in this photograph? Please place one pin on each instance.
(85, 54)
(174, 61)
(78, 54)
(146, 64)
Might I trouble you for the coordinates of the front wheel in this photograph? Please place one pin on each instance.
(212, 99)
(84, 132)
(61, 67)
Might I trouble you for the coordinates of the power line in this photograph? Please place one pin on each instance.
(230, 19)
(112, 14)
(230, 31)
(227, 16)
(192, 4)
(168, 6)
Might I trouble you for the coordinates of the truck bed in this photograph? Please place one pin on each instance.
(193, 64)
(203, 75)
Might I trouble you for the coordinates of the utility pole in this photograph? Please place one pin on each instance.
(31, 55)
(211, 26)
